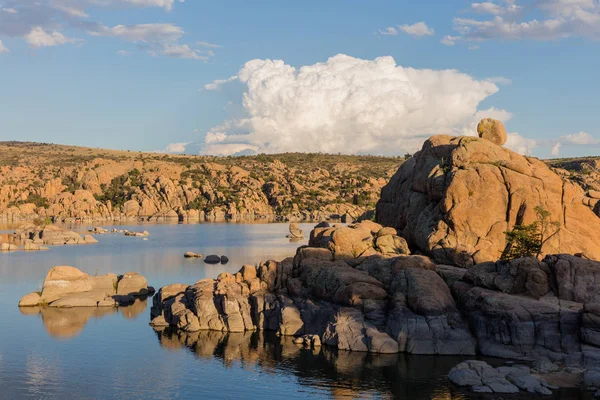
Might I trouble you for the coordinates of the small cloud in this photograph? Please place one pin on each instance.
(3, 48)
(124, 53)
(208, 45)
(38, 37)
(389, 31)
(449, 40)
(499, 80)
(495, 9)
(417, 30)
(556, 149)
(216, 85)
(174, 148)
(181, 51)
(140, 32)
(581, 138)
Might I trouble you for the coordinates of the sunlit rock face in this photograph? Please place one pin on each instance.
(455, 199)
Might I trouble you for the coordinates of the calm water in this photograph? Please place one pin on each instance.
(114, 354)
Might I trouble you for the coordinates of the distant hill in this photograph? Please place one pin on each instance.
(39, 180)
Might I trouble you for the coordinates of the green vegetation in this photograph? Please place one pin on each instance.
(528, 240)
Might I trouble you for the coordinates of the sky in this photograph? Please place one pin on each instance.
(266, 76)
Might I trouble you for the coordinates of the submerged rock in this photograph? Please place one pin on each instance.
(481, 377)
(190, 254)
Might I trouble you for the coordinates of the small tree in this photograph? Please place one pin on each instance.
(528, 240)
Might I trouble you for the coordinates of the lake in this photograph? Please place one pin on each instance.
(114, 353)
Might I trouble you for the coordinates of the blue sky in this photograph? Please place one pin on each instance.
(131, 74)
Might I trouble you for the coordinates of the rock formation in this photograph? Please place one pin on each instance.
(492, 130)
(354, 295)
(295, 231)
(455, 199)
(30, 237)
(69, 287)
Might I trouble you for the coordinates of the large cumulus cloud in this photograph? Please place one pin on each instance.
(347, 105)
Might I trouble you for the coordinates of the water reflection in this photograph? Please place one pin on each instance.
(341, 374)
(66, 323)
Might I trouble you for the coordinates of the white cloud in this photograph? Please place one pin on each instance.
(174, 148)
(495, 9)
(389, 31)
(499, 80)
(41, 23)
(166, 4)
(556, 149)
(350, 105)
(216, 85)
(520, 144)
(3, 48)
(449, 40)
(181, 51)
(560, 19)
(418, 29)
(124, 53)
(581, 138)
(208, 45)
(38, 37)
(141, 32)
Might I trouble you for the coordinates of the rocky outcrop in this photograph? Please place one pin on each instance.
(295, 231)
(358, 240)
(382, 302)
(66, 287)
(51, 235)
(455, 199)
(354, 295)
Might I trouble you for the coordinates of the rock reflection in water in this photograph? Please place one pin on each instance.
(65, 323)
(341, 374)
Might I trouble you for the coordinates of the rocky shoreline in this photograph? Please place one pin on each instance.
(387, 303)
(359, 288)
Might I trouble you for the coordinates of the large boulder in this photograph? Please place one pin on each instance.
(525, 275)
(492, 130)
(66, 286)
(455, 199)
(577, 279)
(295, 231)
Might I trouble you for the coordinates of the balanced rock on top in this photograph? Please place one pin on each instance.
(492, 130)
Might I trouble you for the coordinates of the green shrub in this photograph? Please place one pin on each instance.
(528, 240)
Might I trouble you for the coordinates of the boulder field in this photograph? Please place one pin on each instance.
(358, 295)
(455, 199)
(66, 287)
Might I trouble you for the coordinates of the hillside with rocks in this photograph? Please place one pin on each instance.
(67, 183)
